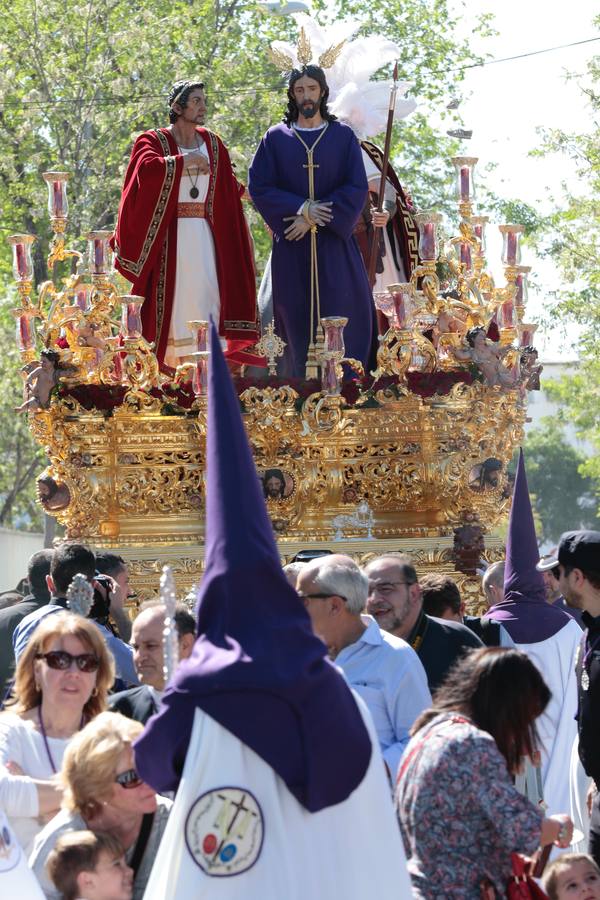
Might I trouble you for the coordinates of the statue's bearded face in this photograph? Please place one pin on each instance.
(307, 93)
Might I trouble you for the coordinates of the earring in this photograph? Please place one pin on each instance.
(37, 687)
(95, 692)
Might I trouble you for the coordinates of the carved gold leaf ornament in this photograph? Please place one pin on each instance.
(281, 60)
(304, 48)
(330, 57)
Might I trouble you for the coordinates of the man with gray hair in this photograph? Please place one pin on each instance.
(383, 669)
(492, 583)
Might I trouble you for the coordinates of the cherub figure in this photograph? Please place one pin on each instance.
(39, 383)
(530, 369)
(487, 356)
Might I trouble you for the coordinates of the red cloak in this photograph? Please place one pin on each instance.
(145, 241)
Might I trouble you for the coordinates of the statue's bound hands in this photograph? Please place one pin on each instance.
(298, 228)
(319, 213)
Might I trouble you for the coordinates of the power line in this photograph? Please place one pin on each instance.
(245, 91)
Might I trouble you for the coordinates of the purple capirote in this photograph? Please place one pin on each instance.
(524, 612)
(256, 667)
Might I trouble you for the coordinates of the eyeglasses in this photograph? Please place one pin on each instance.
(305, 597)
(60, 659)
(387, 587)
(129, 779)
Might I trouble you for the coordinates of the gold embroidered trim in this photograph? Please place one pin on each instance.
(159, 210)
(191, 211)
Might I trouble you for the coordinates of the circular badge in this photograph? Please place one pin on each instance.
(224, 831)
(10, 851)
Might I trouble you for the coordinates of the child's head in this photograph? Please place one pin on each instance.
(90, 866)
(573, 876)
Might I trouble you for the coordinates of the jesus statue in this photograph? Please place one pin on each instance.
(307, 180)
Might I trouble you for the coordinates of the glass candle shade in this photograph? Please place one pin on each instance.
(511, 244)
(428, 238)
(522, 285)
(402, 297)
(58, 206)
(99, 251)
(465, 255)
(131, 317)
(200, 374)
(526, 333)
(384, 303)
(22, 261)
(82, 296)
(330, 383)
(506, 315)
(464, 167)
(25, 332)
(333, 331)
(199, 329)
(478, 224)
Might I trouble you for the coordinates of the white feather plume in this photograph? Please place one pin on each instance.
(365, 107)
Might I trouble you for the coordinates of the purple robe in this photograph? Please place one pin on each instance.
(278, 185)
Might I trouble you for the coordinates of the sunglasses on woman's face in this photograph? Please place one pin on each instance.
(60, 659)
(129, 779)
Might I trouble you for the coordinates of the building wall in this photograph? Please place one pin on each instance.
(540, 406)
(16, 547)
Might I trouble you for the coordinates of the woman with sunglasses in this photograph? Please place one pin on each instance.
(61, 683)
(103, 792)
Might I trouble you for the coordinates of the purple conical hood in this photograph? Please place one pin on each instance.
(524, 611)
(256, 667)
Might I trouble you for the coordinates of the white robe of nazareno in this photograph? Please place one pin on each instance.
(196, 295)
(16, 878)
(352, 850)
(557, 729)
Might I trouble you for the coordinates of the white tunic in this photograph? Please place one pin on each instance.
(235, 817)
(196, 285)
(557, 729)
(390, 274)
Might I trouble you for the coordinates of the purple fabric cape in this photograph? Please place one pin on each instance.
(278, 185)
(256, 667)
(524, 612)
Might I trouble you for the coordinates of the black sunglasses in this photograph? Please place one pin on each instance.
(129, 779)
(60, 659)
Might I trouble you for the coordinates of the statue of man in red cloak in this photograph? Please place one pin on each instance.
(181, 236)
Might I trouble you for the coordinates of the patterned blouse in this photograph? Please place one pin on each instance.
(460, 814)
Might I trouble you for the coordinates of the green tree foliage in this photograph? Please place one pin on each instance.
(563, 497)
(79, 79)
(571, 236)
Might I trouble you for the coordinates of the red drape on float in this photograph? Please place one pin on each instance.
(145, 241)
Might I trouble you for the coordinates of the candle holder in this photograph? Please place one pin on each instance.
(526, 332)
(464, 167)
(478, 224)
(58, 205)
(332, 353)
(522, 289)
(25, 332)
(200, 375)
(429, 247)
(81, 295)
(131, 317)
(22, 262)
(403, 304)
(99, 254)
(511, 244)
(199, 329)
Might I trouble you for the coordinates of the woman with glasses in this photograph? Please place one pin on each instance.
(61, 683)
(103, 793)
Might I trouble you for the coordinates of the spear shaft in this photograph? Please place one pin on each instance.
(386, 158)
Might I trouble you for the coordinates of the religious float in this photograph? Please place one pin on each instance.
(412, 455)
